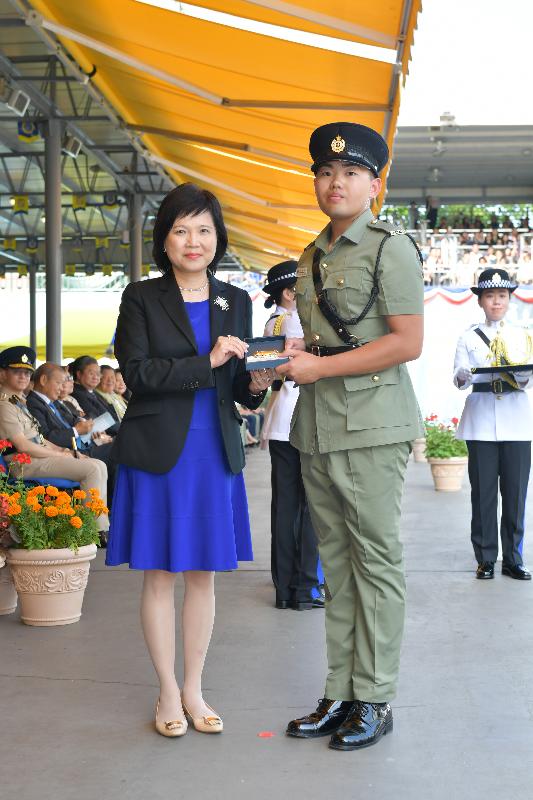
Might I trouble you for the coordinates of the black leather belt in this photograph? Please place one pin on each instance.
(496, 387)
(320, 350)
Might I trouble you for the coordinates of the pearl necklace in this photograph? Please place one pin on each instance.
(200, 288)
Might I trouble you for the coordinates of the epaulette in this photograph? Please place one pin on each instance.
(387, 227)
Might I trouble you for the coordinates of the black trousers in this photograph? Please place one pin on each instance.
(508, 462)
(294, 552)
(103, 453)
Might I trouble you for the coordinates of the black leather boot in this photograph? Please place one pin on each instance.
(364, 725)
(329, 715)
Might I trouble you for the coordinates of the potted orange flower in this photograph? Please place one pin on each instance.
(51, 539)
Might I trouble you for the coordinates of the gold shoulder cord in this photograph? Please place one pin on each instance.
(500, 356)
(276, 331)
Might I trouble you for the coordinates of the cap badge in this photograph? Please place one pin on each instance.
(497, 278)
(338, 144)
(24, 358)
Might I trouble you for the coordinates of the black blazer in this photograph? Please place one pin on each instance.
(158, 356)
(50, 426)
(67, 412)
(94, 406)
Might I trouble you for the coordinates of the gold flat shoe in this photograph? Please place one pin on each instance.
(208, 724)
(172, 728)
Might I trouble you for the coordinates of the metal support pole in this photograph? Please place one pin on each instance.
(53, 227)
(32, 270)
(136, 236)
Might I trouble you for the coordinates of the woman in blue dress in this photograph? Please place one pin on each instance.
(180, 501)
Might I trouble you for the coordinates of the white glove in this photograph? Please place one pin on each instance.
(523, 377)
(463, 376)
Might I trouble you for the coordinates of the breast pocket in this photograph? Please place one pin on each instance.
(344, 291)
(304, 299)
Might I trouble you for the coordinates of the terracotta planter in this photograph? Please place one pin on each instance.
(419, 449)
(8, 593)
(51, 583)
(448, 473)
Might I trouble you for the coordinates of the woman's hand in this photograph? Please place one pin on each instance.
(225, 348)
(261, 379)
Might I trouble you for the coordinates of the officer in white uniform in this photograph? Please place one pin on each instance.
(294, 552)
(497, 426)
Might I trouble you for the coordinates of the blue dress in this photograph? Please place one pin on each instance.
(194, 517)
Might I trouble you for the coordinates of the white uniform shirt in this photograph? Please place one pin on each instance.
(281, 407)
(486, 416)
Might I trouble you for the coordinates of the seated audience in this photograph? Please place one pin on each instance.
(86, 373)
(19, 426)
(59, 424)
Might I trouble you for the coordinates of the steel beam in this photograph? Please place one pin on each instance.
(53, 132)
(32, 271)
(135, 222)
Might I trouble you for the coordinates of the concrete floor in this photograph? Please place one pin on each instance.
(76, 703)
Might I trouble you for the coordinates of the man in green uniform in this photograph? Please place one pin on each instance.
(360, 300)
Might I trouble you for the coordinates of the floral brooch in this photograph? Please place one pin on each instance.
(222, 303)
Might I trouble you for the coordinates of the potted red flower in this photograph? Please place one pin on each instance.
(447, 455)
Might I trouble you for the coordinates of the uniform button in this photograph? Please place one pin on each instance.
(498, 397)
(325, 266)
(222, 401)
(375, 378)
(340, 281)
(316, 337)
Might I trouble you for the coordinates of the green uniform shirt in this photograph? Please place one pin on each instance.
(378, 408)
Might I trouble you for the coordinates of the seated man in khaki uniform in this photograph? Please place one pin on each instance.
(19, 426)
(359, 296)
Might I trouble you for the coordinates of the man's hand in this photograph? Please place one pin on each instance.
(295, 344)
(301, 368)
(84, 426)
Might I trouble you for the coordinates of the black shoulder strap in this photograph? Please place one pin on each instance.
(329, 310)
(482, 336)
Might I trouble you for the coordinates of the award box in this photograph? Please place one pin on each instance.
(264, 352)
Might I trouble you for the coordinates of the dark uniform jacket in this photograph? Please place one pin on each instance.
(158, 356)
(54, 431)
(94, 406)
(50, 425)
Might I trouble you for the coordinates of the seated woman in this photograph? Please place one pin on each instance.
(107, 391)
(86, 373)
(65, 394)
(120, 386)
(18, 425)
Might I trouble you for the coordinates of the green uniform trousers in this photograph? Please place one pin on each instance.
(355, 501)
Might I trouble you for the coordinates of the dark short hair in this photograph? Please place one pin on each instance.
(79, 364)
(106, 366)
(46, 369)
(183, 201)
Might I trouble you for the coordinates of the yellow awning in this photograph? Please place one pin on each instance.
(232, 109)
